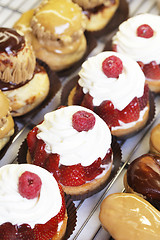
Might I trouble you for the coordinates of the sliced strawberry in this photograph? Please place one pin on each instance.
(131, 112)
(107, 158)
(145, 98)
(40, 155)
(46, 231)
(52, 165)
(152, 70)
(7, 231)
(25, 232)
(60, 215)
(72, 175)
(107, 112)
(141, 64)
(78, 96)
(93, 170)
(31, 140)
(88, 101)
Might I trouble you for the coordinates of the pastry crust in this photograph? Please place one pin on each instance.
(98, 20)
(119, 132)
(85, 188)
(30, 95)
(154, 140)
(154, 85)
(59, 235)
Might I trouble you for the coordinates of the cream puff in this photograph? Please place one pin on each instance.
(139, 37)
(143, 178)
(98, 12)
(55, 29)
(22, 80)
(63, 144)
(113, 85)
(127, 216)
(32, 204)
(6, 121)
(154, 140)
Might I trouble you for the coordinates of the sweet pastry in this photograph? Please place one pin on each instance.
(143, 178)
(128, 216)
(24, 82)
(113, 86)
(6, 121)
(32, 204)
(55, 29)
(154, 140)
(139, 38)
(63, 144)
(98, 12)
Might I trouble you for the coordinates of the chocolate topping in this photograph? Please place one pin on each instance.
(10, 41)
(143, 176)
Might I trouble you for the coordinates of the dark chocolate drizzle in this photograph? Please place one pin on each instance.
(142, 178)
(11, 86)
(11, 41)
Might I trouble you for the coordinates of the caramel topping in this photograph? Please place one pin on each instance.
(59, 17)
(10, 41)
(127, 216)
(143, 176)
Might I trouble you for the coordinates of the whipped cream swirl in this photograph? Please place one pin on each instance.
(74, 147)
(120, 91)
(139, 48)
(18, 210)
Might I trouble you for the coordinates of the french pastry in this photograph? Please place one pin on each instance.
(98, 12)
(139, 38)
(113, 85)
(6, 121)
(143, 178)
(128, 216)
(55, 29)
(63, 144)
(24, 82)
(154, 140)
(32, 204)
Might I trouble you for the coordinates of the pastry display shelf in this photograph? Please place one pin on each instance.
(88, 224)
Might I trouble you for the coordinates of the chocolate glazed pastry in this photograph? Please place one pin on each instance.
(24, 83)
(143, 178)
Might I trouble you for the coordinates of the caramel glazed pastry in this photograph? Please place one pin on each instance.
(6, 121)
(143, 178)
(56, 31)
(24, 82)
(154, 140)
(127, 216)
(98, 12)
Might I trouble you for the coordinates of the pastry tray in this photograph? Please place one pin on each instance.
(88, 224)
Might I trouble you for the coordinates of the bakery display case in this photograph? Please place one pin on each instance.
(88, 225)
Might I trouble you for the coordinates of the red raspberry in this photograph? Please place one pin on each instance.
(83, 121)
(145, 31)
(29, 185)
(112, 67)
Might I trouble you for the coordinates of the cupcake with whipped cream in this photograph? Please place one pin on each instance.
(32, 204)
(113, 85)
(139, 37)
(63, 144)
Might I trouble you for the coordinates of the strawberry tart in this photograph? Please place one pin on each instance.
(139, 38)
(63, 144)
(113, 85)
(32, 204)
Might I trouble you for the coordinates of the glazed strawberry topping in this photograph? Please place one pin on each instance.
(29, 185)
(152, 70)
(87, 101)
(112, 67)
(144, 99)
(145, 31)
(93, 170)
(83, 121)
(39, 232)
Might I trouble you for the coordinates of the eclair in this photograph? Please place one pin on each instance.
(98, 12)
(55, 29)
(22, 80)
